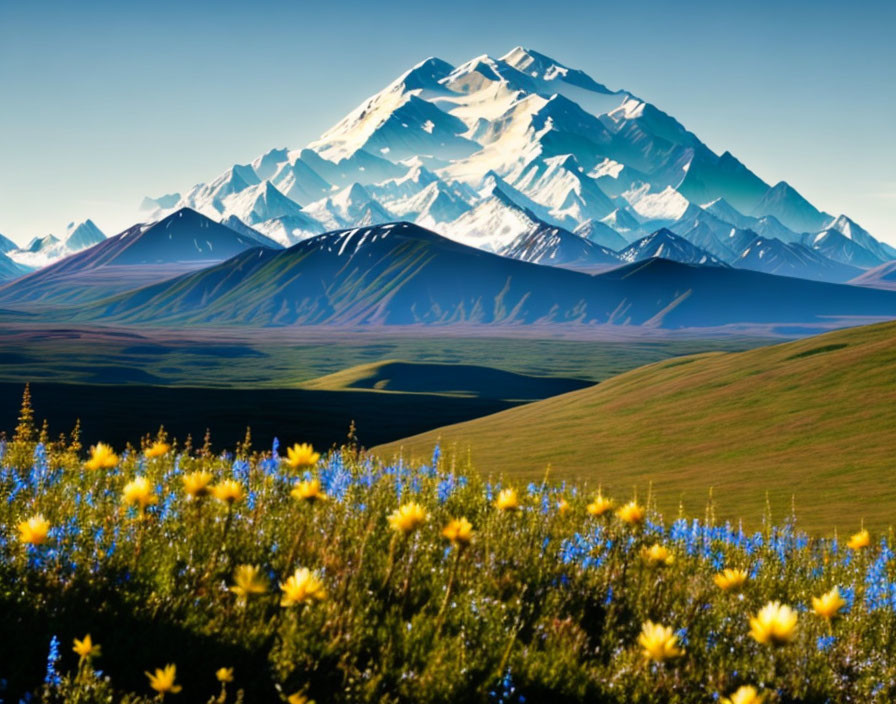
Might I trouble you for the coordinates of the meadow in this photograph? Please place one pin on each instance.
(177, 572)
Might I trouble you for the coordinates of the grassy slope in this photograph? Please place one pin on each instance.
(813, 419)
(452, 379)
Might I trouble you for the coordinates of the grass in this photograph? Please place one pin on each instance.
(288, 358)
(808, 421)
(546, 600)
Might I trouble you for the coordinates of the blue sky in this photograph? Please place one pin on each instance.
(105, 102)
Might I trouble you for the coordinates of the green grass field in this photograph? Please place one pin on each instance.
(286, 358)
(813, 421)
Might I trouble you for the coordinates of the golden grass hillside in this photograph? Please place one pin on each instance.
(813, 421)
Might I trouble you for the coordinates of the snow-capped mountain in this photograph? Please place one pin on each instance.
(82, 235)
(485, 151)
(45, 250)
(555, 246)
(664, 244)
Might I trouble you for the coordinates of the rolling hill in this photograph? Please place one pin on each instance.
(811, 419)
(402, 274)
(449, 379)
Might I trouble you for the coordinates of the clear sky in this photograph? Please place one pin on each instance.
(104, 102)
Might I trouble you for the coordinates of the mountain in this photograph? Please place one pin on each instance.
(161, 203)
(142, 254)
(863, 238)
(597, 232)
(473, 150)
(835, 245)
(10, 269)
(238, 226)
(738, 424)
(401, 274)
(667, 245)
(82, 235)
(7, 245)
(773, 256)
(39, 245)
(883, 276)
(788, 206)
(554, 246)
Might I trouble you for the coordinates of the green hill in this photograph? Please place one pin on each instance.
(451, 379)
(813, 421)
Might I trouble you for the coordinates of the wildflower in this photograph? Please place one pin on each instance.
(224, 674)
(163, 680)
(407, 518)
(138, 491)
(775, 624)
(299, 698)
(302, 587)
(562, 507)
(196, 484)
(600, 505)
(631, 513)
(229, 491)
(86, 649)
(859, 540)
(248, 580)
(459, 532)
(659, 643)
(828, 605)
(507, 500)
(657, 555)
(300, 456)
(101, 457)
(744, 695)
(157, 449)
(730, 580)
(309, 491)
(34, 531)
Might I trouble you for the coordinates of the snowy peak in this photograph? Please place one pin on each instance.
(82, 235)
(664, 244)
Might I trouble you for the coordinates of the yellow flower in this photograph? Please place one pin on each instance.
(309, 491)
(302, 587)
(299, 456)
(138, 491)
(459, 532)
(407, 518)
(224, 674)
(196, 484)
(34, 530)
(101, 457)
(859, 540)
(229, 491)
(248, 580)
(86, 648)
(600, 505)
(299, 698)
(631, 513)
(157, 449)
(775, 624)
(730, 580)
(507, 500)
(562, 506)
(163, 680)
(744, 695)
(659, 643)
(828, 605)
(657, 555)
